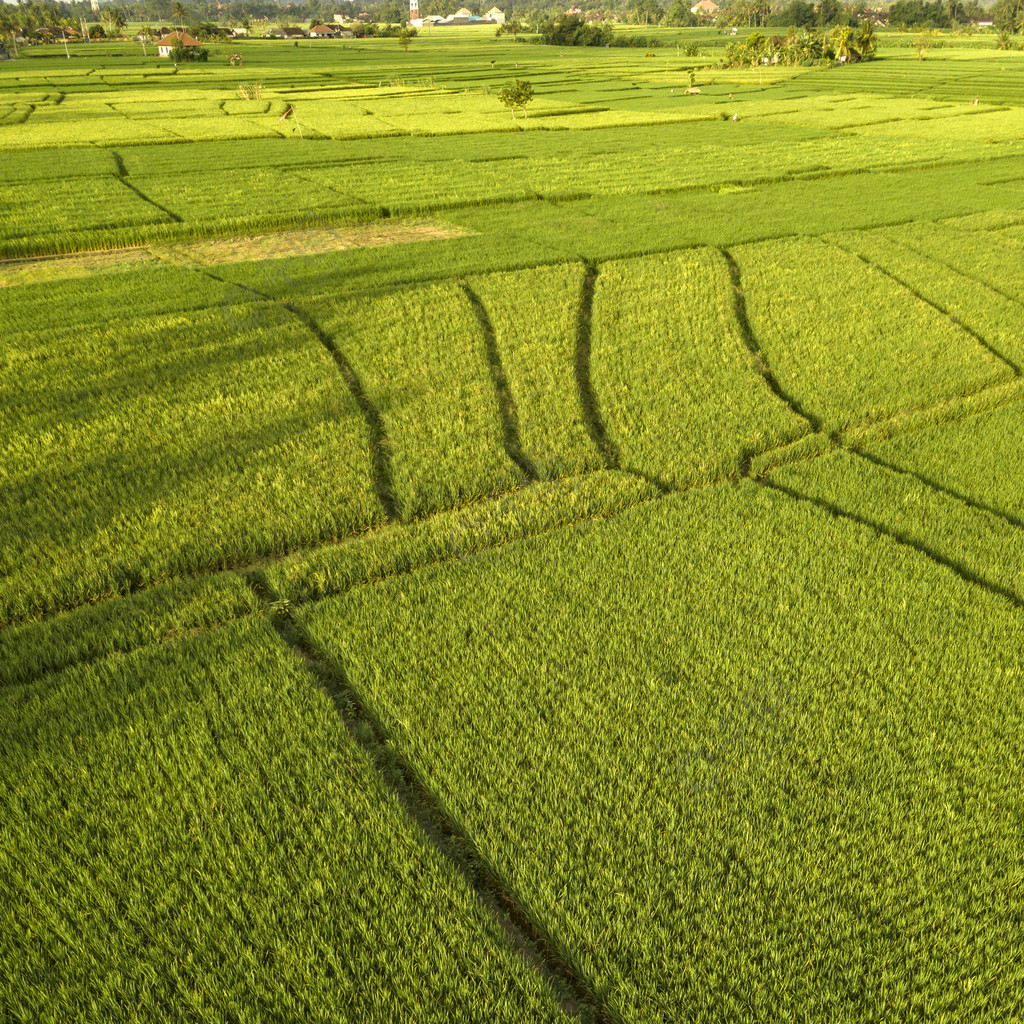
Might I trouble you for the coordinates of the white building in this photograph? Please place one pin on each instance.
(461, 17)
(172, 39)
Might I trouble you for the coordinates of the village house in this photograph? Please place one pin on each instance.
(495, 16)
(705, 9)
(321, 32)
(173, 39)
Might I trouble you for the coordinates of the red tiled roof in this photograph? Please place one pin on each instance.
(173, 38)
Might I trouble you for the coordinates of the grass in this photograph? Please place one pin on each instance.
(603, 605)
(636, 720)
(204, 807)
(685, 399)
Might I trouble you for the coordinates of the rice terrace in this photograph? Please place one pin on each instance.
(496, 529)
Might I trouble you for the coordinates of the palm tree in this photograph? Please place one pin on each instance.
(8, 26)
(181, 13)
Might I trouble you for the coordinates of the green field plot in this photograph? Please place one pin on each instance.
(126, 294)
(683, 398)
(984, 257)
(145, 449)
(165, 613)
(635, 720)
(56, 165)
(265, 196)
(460, 567)
(980, 458)
(91, 207)
(202, 806)
(993, 317)
(535, 319)
(978, 543)
(421, 359)
(848, 342)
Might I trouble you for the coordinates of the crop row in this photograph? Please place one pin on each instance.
(727, 749)
(190, 831)
(423, 399)
(242, 183)
(139, 451)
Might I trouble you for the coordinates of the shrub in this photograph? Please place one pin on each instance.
(189, 54)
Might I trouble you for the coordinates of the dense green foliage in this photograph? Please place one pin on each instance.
(460, 568)
(816, 311)
(191, 827)
(979, 543)
(140, 450)
(421, 359)
(684, 399)
(710, 813)
(979, 459)
(535, 315)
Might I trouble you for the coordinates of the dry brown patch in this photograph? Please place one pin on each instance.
(279, 245)
(313, 241)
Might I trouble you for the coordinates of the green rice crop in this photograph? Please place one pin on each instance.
(979, 458)
(683, 399)
(165, 613)
(341, 679)
(636, 720)
(466, 534)
(535, 317)
(421, 359)
(848, 342)
(140, 451)
(979, 543)
(132, 294)
(91, 206)
(984, 257)
(994, 317)
(190, 833)
(231, 171)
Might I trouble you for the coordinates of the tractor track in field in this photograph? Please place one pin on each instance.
(584, 382)
(941, 310)
(753, 346)
(438, 826)
(506, 402)
(380, 446)
(965, 573)
(122, 176)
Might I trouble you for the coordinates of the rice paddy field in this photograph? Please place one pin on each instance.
(456, 567)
